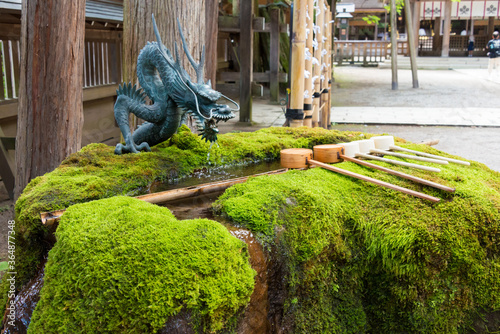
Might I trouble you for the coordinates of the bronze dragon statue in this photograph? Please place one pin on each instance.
(173, 97)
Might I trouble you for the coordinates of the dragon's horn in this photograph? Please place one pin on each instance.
(197, 67)
(161, 47)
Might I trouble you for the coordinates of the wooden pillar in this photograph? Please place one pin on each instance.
(445, 50)
(308, 83)
(274, 57)
(318, 37)
(491, 26)
(295, 113)
(394, 46)
(246, 60)
(411, 44)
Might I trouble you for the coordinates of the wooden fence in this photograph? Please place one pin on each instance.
(431, 45)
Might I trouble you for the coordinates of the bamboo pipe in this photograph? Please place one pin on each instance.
(387, 143)
(318, 37)
(298, 61)
(49, 218)
(353, 149)
(308, 84)
(383, 169)
(329, 65)
(298, 158)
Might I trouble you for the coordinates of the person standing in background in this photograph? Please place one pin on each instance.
(493, 48)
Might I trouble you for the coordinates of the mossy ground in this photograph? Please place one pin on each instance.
(363, 258)
(115, 271)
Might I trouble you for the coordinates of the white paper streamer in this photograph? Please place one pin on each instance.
(315, 61)
(325, 39)
(306, 94)
(316, 29)
(307, 74)
(315, 44)
(308, 54)
(316, 77)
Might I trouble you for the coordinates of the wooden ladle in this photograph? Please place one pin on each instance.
(387, 143)
(334, 153)
(301, 158)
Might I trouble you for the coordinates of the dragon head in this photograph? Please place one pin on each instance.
(200, 99)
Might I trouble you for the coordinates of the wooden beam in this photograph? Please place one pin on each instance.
(99, 92)
(10, 31)
(102, 35)
(274, 61)
(232, 24)
(234, 89)
(8, 109)
(257, 76)
(246, 60)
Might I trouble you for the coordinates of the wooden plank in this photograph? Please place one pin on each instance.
(99, 92)
(113, 62)
(232, 24)
(7, 167)
(234, 89)
(257, 76)
(246, 61)
(98, 48)
(2, 88)
(8, 109)
(102, 35)
(10, 31)
(274, 57)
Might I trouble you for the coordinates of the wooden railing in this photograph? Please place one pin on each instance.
(431, 45)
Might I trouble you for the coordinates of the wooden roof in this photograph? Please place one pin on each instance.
(98, 10)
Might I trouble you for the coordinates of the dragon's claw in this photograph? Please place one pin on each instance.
(132, 148)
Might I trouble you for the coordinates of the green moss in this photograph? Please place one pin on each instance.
(363, 258)
(96, 172)
(121, 265)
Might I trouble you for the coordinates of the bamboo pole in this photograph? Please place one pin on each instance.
(325, 91)
(49, 218)
(397, 162)
(394, 46)
(329, 64)
(411, 43)
(308, 84)
(374, 181)
(318, 38)
(295, 113)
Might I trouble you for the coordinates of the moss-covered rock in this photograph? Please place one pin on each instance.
(121, 265)
(96, 172)
(362, 258)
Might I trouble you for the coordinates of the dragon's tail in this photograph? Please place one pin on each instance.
(132, 92)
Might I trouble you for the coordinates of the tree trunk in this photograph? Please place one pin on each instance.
(50, 114)
(212, 30)
(138, 30)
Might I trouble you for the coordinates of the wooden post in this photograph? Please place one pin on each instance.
(246, 61)
(318, 37)
(445, 51)
(411, 44)
(295, 114)
(274, 57)
(394, 46)
(491, 26)
(308, 83)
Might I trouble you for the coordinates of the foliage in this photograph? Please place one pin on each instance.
(122, 265)
(363, 258)
(95, 172)
(371, 19)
